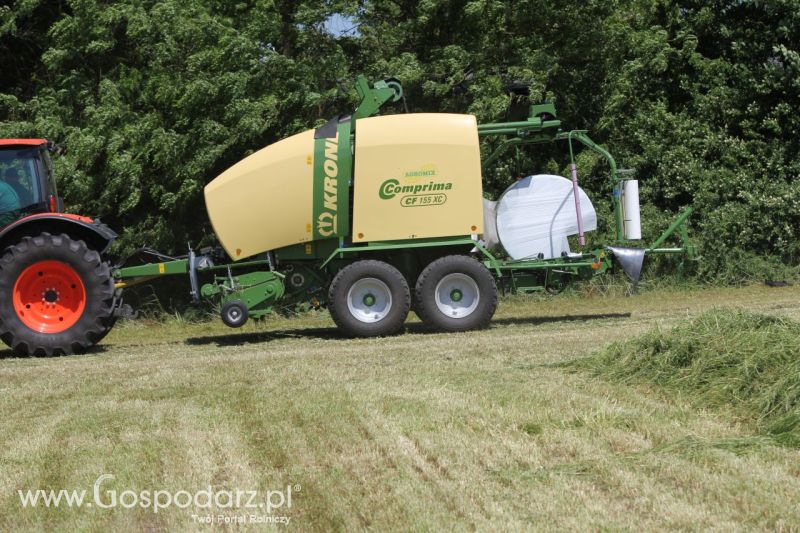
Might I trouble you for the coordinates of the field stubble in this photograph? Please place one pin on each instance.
(482, 430)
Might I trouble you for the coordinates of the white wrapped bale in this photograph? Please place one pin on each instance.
(537, 214)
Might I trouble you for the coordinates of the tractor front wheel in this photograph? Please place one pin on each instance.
(56, 296)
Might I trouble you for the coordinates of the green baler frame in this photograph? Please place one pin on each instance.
(262, 288)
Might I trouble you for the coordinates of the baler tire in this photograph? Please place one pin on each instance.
(234, 313)
(90, 295)
(383, 277)
(465, 275)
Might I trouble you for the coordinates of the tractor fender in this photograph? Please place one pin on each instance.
(94, 233)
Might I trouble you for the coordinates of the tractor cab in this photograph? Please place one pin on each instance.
(26, 180)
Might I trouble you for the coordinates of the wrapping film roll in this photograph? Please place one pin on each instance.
(535, 216)
(630, 208)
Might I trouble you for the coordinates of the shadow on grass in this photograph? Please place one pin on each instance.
(235, 339)
(416, 328)
(8, 353)
(538, 320)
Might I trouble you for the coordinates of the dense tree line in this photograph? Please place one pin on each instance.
(153, 99)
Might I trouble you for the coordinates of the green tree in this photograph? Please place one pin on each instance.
(155, 98)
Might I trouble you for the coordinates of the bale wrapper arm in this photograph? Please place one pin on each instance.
(543, 127)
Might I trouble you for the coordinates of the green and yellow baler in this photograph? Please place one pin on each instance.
(371, 216)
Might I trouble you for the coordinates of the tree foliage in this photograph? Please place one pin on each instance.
(153, 99)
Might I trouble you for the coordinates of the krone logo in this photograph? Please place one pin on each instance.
(326, 220)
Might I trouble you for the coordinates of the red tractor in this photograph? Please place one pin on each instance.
(57, 293)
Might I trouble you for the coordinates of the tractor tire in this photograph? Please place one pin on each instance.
(108, 325)
(56, 296)
(369, 299)
(456, 293)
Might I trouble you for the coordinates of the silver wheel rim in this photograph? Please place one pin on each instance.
(369, 300)
(234, 314)
(457, 295)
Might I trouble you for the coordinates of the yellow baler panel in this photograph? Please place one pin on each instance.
(265, 201)
(417, 176)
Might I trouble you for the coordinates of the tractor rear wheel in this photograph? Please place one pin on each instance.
(56, 296)
(456, 293)
(369, 299)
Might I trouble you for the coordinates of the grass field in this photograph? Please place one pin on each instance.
(484, 430)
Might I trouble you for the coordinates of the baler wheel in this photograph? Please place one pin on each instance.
(234, 314)
(369, 299)
(456, 293)
(56, 296)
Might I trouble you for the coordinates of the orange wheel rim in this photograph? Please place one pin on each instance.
(49, 297)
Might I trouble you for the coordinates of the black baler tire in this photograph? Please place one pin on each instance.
(234, 323)
(97, 318)
(393, 322)
(425, 293)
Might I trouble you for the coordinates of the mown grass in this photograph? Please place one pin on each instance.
(744, 362)
(480, 431)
